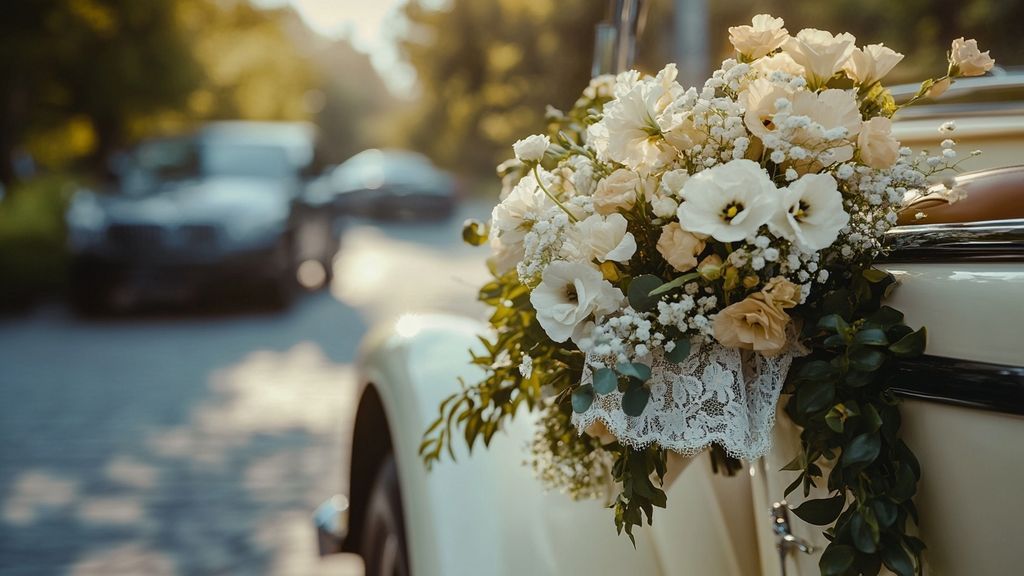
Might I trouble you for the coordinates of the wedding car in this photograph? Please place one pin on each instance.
(961, 274)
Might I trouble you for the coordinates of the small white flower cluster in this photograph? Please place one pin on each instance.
(627, 336)
(689, 315)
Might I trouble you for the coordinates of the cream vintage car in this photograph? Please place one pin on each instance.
(961, 273)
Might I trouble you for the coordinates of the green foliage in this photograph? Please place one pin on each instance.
(637, 470)
(840, 399)
(32, 239)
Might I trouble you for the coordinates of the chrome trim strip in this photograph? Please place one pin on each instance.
(978, 385)
(1001, 240)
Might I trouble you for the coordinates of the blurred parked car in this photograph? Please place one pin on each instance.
(389, 185)
(221, 208)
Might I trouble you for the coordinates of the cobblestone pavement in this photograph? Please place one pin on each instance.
(200, 444)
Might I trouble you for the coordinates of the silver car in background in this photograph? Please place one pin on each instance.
(221, 210)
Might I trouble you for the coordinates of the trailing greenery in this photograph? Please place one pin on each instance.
(851, 422)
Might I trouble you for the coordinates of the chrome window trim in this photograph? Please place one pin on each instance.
(995, 240)
(978, 385)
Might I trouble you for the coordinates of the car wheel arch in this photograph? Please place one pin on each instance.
(371, 444)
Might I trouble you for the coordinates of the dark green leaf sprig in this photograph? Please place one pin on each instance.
(851, 421)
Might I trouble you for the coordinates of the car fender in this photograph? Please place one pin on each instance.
(484, 512)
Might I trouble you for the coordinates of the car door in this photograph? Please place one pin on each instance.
(963, 413)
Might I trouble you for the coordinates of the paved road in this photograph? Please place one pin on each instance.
(199, 444)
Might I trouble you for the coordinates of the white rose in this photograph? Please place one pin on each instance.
(729, 202)
(664, 206)
(812, 212)
(871, 64)
(570, 293)
(605, 237)
(679, 248)
(967, 60)
(819, 52)
(878, 148)
(619, 190)
(764, 37)
(531, 148)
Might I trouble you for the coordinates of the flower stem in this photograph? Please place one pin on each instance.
(540, 182)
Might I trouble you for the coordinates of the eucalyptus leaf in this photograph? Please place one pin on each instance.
(866, 359)
(862, 535)
(639, 292)
(641, 372)
(582, 398)
(833, 323)
(680, 352)
(896, 559)
(813, 395)
(885, 512)
(635, 400)
(885, 317)
(605, 380)
(862, 450)
(836, 560)
(871, 336)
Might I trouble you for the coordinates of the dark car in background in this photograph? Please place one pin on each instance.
(389, 185)
(220, 210)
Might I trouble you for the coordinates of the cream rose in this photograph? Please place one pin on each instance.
(967, 60)
(618, 191)
(939, 88)
(780, 62)
(752, 324)
(569, 294)
(764, 37)
(679, 247)
(878, 148)
(871, 64)
(605, 238)
(531, 148)
(819, 52)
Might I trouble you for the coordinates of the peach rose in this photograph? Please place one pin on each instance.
(878, 148)
(752, 324)
(618, 191)
(967, 59)
(679, 247)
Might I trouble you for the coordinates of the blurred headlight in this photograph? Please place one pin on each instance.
(86, 221)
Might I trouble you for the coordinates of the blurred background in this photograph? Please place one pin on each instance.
(205, 203)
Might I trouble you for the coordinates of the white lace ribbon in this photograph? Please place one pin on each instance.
(717, 395)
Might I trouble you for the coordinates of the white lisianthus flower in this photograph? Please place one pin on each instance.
(878, 148)
(605, 237)
(780, 62)
(871, 64)
(513, 217)
(819, 52)
(531, 148)
(765, 36)
(966, 59)
(630, 131)
(812, 212)
(728, 202)
(569, 294)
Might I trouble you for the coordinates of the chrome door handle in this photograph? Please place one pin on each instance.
(786, 542)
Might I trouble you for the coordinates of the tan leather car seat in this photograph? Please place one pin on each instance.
(996, 194)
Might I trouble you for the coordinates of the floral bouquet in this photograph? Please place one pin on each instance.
(662, 257)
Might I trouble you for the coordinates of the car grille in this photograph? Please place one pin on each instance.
(149, 239)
